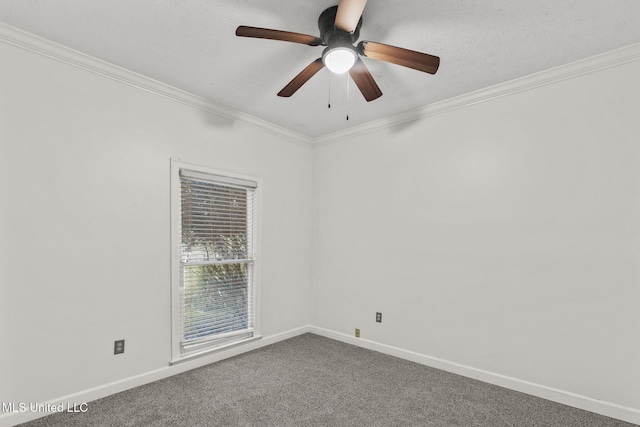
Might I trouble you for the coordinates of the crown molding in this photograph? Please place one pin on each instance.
(568, 71)
(60, 53)
(27, 41)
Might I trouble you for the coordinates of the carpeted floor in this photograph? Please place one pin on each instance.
(314, 381)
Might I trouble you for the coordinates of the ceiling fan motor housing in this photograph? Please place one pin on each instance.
(332, 36)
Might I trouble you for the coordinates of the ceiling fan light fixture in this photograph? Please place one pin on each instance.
(339, 59)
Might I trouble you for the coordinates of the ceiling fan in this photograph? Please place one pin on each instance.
(339, 30)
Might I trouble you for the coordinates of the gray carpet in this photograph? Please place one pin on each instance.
(314, 381)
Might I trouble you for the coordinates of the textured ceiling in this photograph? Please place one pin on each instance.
(190, 44)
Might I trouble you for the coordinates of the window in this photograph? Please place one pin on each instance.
(214, 259)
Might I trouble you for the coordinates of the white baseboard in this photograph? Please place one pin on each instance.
(12, 418)
(608, 409)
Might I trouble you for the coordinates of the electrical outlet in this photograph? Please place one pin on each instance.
(118, 347)
(357, 333)
(379, 317)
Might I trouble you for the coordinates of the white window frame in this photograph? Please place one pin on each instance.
(178, 353)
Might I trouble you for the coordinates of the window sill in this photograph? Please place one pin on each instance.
(213, 350)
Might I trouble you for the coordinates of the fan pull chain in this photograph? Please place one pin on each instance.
(329, 104)
(348, 81)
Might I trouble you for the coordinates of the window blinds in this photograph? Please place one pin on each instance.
(216, 258)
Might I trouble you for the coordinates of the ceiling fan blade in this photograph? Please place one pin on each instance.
(397, 55)
(364, 80)
(348, 14)
(302, 78)
(285, 36)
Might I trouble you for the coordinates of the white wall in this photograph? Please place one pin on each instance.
(85, 228)
(503, 236)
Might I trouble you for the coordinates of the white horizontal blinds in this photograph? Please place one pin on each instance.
(216, 300)
(207, 177)
(217, 255)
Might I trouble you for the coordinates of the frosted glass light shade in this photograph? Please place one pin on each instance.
(339, 60)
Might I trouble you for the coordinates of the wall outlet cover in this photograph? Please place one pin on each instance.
(118, 347)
